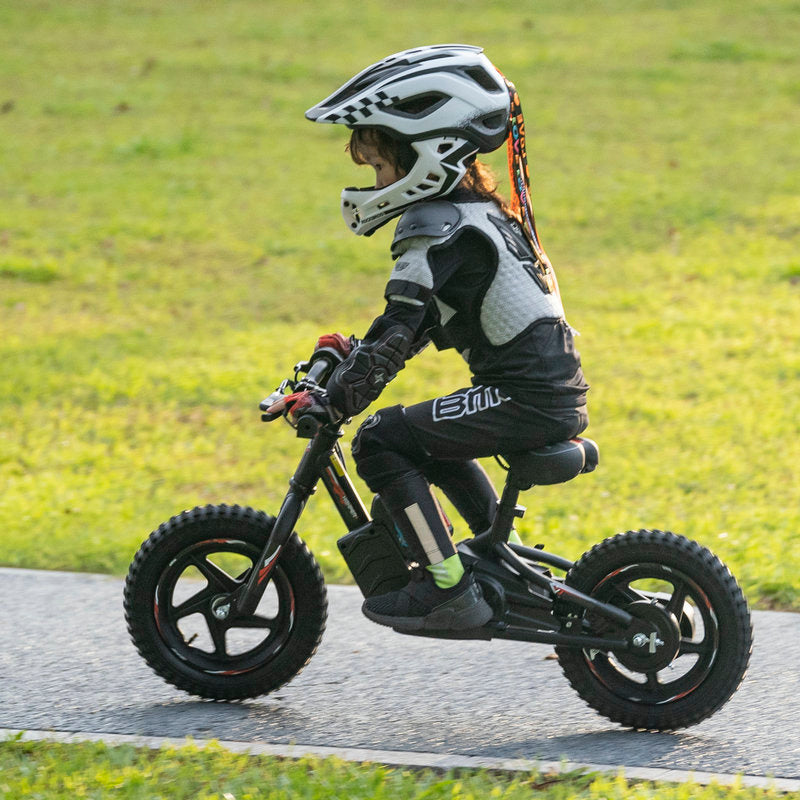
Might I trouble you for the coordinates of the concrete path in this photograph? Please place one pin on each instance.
(67, 665)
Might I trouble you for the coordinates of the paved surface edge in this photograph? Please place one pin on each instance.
(408, 759)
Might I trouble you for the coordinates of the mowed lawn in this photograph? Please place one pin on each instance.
(170, 245)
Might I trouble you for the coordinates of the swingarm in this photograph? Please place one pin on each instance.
(524, 599)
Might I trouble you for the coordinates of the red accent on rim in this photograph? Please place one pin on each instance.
(594, 672)
(683, 694)
(611, 575)
(233, 671)
(705, 599)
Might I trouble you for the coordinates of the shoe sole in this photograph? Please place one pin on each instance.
(460, 614)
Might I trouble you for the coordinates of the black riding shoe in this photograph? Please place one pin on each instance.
(422, 605)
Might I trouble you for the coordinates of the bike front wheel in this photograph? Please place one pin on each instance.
(697, 660)
(178, 591)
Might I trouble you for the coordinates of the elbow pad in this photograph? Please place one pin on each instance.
(358, 380)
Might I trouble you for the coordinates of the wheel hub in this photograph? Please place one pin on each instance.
(655, 639)
(221, 607)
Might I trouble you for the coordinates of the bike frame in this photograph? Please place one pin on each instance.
(509, 570)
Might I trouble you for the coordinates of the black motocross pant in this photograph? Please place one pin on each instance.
(400, 450)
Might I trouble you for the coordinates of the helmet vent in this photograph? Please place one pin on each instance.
(419, 106)
(445, 148)
(494, 122)
(483, 79)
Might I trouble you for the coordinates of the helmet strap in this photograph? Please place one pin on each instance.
(519, 176)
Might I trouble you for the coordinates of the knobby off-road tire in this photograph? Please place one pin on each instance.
(710, 626)
(186, 569)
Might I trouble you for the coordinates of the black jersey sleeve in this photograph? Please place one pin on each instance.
(394, 336)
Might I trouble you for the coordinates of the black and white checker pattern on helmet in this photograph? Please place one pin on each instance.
(354, 113)
(447, 101)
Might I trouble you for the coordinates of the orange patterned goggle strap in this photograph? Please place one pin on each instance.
(519, 176)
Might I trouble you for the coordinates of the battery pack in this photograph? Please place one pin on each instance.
(374, 558)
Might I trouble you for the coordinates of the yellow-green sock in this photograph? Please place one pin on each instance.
(447, 573)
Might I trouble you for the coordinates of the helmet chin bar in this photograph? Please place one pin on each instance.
(439, 168)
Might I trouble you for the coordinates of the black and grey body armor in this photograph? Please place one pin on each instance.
(465, 277)
(486, 295)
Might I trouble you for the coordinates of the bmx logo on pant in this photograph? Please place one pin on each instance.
(471, 401)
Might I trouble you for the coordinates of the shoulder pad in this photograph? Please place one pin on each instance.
(436, 218)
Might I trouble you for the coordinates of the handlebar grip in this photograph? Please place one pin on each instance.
(321, 367)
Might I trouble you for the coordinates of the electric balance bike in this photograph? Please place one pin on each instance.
(227, 603)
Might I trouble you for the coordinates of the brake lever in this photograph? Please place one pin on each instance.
(301, 367)
(277, 395)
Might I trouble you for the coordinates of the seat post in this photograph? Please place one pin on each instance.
(507, 511)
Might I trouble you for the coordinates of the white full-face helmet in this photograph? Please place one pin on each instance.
(448, 102)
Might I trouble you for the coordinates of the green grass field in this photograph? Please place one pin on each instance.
(97, 771)
(170, 244)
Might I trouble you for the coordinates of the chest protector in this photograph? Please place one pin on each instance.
(515, 294)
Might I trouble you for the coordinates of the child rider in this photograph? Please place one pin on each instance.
(469, 274)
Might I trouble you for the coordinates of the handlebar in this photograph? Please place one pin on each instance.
(315, 373)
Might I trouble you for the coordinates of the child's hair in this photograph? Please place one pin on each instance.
(479, 178)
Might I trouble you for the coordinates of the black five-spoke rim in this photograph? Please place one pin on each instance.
(208, 599)
(699, 639)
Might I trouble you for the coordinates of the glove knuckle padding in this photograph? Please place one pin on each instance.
(359, 380)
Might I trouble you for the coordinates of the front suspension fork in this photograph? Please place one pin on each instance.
(316, 459)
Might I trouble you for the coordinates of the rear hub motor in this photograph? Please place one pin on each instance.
(655, 638)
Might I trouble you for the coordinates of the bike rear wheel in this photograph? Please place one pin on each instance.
(697, 660)
(177, 605)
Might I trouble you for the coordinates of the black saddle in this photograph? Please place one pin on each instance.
(555, 463)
